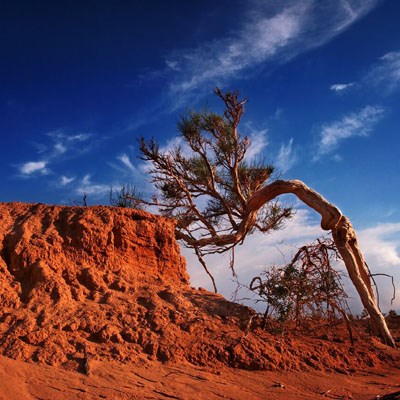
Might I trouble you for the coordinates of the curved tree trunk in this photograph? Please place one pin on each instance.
(344, 237)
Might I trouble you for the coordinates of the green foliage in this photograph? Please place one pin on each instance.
(206, 182)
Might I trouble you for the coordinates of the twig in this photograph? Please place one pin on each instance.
(394, 287)
(203, 263)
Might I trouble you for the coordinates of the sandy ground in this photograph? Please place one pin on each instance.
(153, 380)
(108, 288)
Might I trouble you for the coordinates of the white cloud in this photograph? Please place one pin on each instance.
(258, 142)
(63, 142)
(277, 114)
(213, 63)
(55, 151)
(379, 244)
(337, 158)
(65, 180)
(60, 148)
(287, 157)
(81, 137)
(175, 142)
(124, 158)
(32, 167)
(382, 244)
(342, 87)
(385, 74)
(90, 188)
(174, 65)
(358, 123)
(270, 31)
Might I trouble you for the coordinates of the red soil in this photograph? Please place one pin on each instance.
(104, 292)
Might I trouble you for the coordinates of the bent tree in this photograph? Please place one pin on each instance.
(218, 196)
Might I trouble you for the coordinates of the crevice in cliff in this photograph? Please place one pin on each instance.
(5, 253)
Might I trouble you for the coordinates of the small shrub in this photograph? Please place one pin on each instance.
(126, 196)
(307, 287)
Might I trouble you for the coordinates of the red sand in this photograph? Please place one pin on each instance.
(106, 288)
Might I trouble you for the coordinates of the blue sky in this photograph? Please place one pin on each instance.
(82, 80)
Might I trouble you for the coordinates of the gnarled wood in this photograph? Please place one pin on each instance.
(344, 237)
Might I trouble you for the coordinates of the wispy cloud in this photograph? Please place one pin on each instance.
(126, 161)
(342, 87)
(174, 143)
(34, 167)
(267, 34)
(61, 146)
(385, 74)
(65, 180)
(258, 143)
(87, 186)
(138, 173)
(230, 56)
(270, 32)
(287, 157)
(359, 123)
(64, 142)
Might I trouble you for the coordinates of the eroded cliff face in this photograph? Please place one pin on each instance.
(79, 284)
(77, 253)
(75, 276)
(101, 282)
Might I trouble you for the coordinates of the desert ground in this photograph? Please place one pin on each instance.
(154, 380)
(96, 303)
